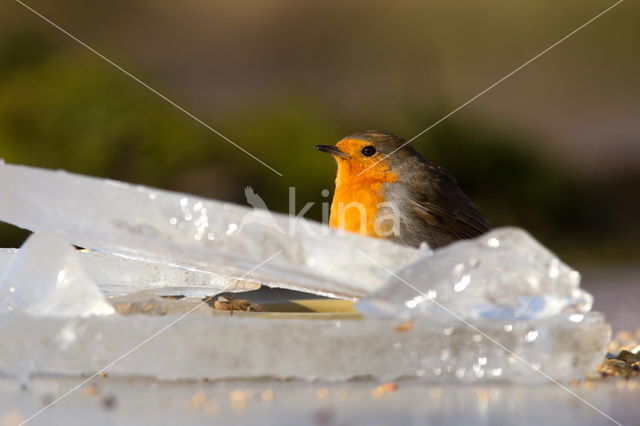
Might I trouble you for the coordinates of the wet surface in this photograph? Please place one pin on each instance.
(110, 401)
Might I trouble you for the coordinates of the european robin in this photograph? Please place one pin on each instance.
(386, 189)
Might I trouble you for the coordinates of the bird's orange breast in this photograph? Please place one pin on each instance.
(357, 198)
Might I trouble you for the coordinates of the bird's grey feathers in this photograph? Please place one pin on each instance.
(433, 206)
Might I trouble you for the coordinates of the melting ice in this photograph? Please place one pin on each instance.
(505, 274)
(195, 234)
(462, 300)
(45, 278)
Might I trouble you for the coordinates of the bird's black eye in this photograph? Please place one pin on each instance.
(368, 151)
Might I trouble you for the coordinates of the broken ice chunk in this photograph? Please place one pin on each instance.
(6, 257)
(196, 234)
(118, 276)
(436, 348)
(504, 274)
(46, 279)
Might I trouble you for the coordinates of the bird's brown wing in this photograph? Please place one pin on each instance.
(442, 204)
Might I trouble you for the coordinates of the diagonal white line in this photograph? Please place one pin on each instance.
(136, 347)
(495, 84)
(148, 87)
(504, 348)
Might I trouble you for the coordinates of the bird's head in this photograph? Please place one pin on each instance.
(371, 154)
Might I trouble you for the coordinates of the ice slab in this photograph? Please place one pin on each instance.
(436, 348)
(196, 234)
(45, 278)
(504, 274)
(119, 276)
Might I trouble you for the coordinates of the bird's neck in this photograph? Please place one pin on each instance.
(358, 198)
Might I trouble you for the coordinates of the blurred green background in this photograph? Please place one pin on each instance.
(554, 149)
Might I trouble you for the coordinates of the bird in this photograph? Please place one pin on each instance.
(386, 189)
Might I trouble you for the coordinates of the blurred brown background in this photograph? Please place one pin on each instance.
(554, 149)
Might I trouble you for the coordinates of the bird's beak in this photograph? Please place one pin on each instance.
(333, 150)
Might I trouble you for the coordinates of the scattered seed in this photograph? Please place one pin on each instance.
(238, 399)
(266, 395)
(629, 357)
(382, 390)
(197, 400)
(322, 393)
(623, 359)
(91, 390)
(405, 326)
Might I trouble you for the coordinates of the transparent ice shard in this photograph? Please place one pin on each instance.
(7, 256)
(436, 348)
(505, 274)
(45, 279)
(194, 233)
(118, 276)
